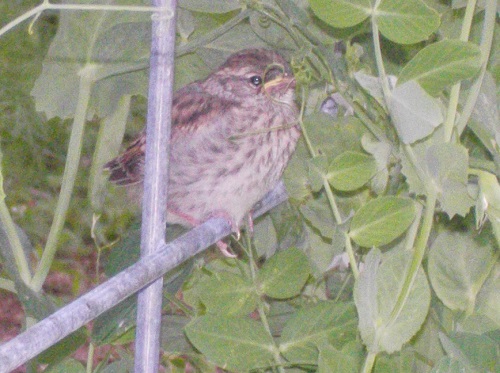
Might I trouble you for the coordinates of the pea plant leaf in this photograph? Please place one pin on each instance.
(313, 326)
(332, 360)
(476, 353)
(318, 169)
(487, 111)
(382, 220)
(376, 293)
(406, 21)
(284, 274)
(92, 44)
(341, 13)
(442, 64)
(234, 343)
(447, 165)
(332, 138)
(318, 214)
(210, 6)
(228, 293)
(351, 170)
(381, 152)
(444, 168)
(458, 278)
(270, 31)
(414, 112)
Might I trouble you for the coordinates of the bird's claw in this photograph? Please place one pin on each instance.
(224, 249)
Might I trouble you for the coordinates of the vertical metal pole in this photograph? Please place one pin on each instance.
(155, 180)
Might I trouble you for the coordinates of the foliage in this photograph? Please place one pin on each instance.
(397, 177)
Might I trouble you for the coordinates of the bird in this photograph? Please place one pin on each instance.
(232, 136)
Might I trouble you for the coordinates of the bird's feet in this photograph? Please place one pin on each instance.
(224, 247)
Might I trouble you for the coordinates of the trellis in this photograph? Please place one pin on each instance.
(158, 257)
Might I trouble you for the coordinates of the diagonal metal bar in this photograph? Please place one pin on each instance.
(71, 317)
(147, 342)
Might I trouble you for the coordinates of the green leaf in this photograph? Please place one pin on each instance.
(314, 326)
(241, 35)
(188, 68)
(185, 23)
(331, 360)
(413, 160)
(319, 215)
(381, 151)
(271, 32)
(332, 138)
(447, 165)
(238, 344)
(449, 365)
(228, 294)
(442, 64)
(64, 348)
(173, 338)
(487, 112)
(488, 299)
(458, 267)
(382, 220)
(92, 44)
(210, 6)
(108, 144)
(376, 293)
(478, 352)
(67, 366)
(414, 112)
(406, 21)
(401, 362)
(284, 274)
(341, 13)
(472, 352)
(488, 201)
(351, 170)
(318, 168)
(442, 169)
(296, 175)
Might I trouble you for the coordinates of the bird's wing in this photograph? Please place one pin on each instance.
(192, 110)
(128, 168)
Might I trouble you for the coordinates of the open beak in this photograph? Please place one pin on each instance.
(280, 84)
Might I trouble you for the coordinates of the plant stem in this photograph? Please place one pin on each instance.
(179, 304)
(350, 253)
(14, 241)
(485, 46)
(8, 285)
(90, 358)
(379, 60)
(260, 306)
(68, 181)
(331, 198)
(369, 362)
(305, 136)
(451, 114)
(418, 255)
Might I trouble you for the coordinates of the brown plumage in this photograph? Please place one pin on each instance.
(232, 136)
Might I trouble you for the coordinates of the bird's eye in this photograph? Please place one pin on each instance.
(256, 80)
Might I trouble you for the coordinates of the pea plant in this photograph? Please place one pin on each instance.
(385, 257)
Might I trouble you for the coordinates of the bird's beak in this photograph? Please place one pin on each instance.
(281, 83)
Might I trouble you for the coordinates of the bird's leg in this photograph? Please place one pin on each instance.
(250, 222)
(223, 247)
